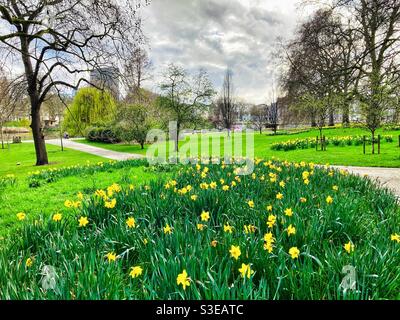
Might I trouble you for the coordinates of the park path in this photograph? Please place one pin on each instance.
(109, 154)
(387, 177)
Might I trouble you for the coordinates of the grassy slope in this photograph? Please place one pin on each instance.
(50, 198)
(20, 159)
(353, 155)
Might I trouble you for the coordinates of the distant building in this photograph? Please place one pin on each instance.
(106, 78)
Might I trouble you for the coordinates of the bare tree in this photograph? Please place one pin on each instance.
(316, 67)
(58, 41)
(226, 105)
(378, 23)
(11, 95)
(136, 70)
(185, 97)
(259, 116)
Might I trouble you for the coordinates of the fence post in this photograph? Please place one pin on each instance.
(316, 144)
(364, 143)
(399, 140)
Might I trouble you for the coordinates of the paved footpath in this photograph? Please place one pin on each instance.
(109, 154)
(388, 177)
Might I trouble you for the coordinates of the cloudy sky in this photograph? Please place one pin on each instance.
(216, 34)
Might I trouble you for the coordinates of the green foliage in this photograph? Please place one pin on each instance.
(90, 107)
(78, 254)
(24, 123)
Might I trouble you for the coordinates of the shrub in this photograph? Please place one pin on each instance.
(103, 134)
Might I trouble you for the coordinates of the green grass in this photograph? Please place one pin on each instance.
(360, 214)
(348, 155)
(20, 159)
(49, 198)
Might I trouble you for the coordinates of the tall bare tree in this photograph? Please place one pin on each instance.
(58, 41)
(136, 70)
(227, 108)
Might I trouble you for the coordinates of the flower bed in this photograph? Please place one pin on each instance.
(284, 232)
(335, 141)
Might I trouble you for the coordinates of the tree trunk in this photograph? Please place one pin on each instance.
(346, 116)
(373, 141)
(177, 137)
(2, 137)
(313, 121)
(331, 119)
(38, 138)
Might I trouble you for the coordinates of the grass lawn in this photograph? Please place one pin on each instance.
(348, 155)
(20, 159)
(49, 198)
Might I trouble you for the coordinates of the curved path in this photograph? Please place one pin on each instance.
(109, 154)
(387, 177)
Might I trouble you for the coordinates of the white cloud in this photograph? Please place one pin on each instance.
(215, 34)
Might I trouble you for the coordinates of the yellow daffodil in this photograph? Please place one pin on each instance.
(282, 184)
(271, 221)
(145, 241)
(329, 200)
(29, 262)
(291, 230)
(246, 271)
(68, 204)
(349, 247)
(251, 203)
(183, 280)
(136, 272)
(80, 195)
(213, 185)
(289, 212)
(235, 252)
(21, 216)
(83, 221)
(294, 252)
(228, 228)
(167, 229)
(214, 243)
(131, 222)
(279, 196)
(205, 216)
(395, 237)
(111, 257)
(110, 204)
(249, 229)
(200, 227)
(225, 188)
(269, 208)
(335, 188)
(57, 217)
(194, 197)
